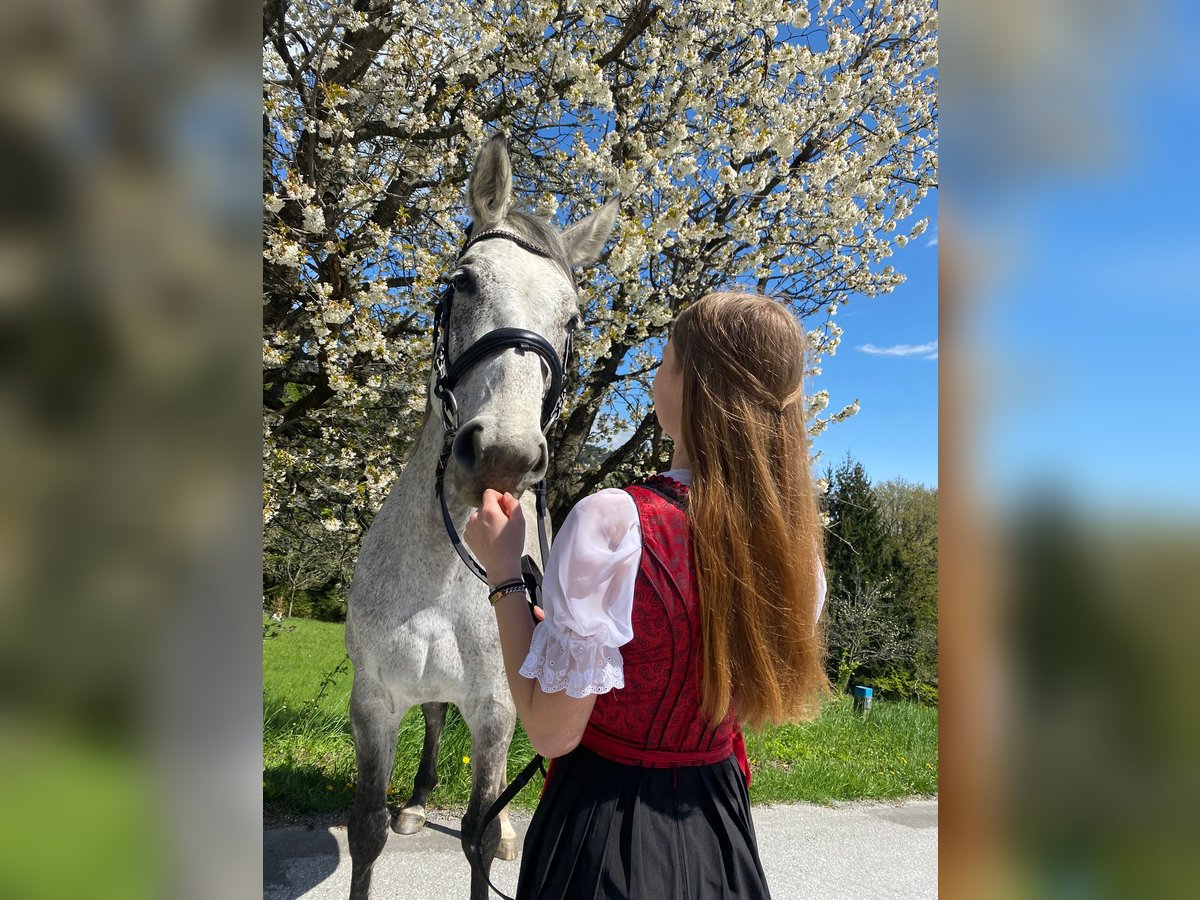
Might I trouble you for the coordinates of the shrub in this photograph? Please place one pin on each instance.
(899, 685)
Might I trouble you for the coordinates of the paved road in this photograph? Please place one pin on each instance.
(867, 851)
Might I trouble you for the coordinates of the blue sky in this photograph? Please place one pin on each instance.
(894, 434)
(1090, 315)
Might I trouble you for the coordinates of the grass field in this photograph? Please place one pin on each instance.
(308, 757)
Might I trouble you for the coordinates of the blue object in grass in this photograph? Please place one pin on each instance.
(862, 698)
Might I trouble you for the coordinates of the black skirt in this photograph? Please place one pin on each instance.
(607, 831)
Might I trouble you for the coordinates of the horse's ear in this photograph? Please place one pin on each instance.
(490, 193)
(586, 238)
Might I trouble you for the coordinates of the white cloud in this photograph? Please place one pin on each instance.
(929, 351)
(932, 242)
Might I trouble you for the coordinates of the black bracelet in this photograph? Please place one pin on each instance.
(509, 587)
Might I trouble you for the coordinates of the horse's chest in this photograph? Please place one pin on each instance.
(435, 653)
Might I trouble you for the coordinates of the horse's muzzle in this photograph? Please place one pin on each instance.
(487, 460)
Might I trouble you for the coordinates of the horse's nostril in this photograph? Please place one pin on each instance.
(482, 452)
(467, 445)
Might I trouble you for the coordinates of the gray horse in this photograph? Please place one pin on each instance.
(419, 629)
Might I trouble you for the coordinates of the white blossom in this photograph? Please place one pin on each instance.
(314, 219)
(799, 161)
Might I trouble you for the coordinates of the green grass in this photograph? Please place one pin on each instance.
(842, 756)
(308, 756)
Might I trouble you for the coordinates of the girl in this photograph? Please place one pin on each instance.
(676, 610)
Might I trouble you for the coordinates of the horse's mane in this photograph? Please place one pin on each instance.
(542, 233)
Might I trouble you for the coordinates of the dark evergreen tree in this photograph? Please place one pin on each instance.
(857, 550)
(879, 591)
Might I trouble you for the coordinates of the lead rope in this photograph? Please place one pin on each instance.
(533, 585)
(502, 801)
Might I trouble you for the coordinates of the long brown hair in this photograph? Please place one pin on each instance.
(756, 530)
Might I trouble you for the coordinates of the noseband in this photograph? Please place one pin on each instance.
(448, 373)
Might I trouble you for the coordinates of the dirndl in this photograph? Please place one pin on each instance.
(608, 831)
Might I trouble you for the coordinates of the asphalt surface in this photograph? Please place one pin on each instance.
(866, 851)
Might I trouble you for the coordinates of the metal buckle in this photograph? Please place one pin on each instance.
(449, 409)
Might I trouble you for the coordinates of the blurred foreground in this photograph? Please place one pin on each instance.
(1070, 522)
(129, 520)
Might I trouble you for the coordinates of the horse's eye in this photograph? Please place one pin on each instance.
(462, 281)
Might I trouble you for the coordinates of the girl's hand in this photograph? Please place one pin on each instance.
(496, 535)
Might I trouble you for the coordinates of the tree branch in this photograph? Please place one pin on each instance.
(619, 456)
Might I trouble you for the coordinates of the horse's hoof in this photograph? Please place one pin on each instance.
(409, 821)
(507, 848)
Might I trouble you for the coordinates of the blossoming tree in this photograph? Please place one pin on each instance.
(780, 145)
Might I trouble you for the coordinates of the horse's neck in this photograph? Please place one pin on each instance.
(423, 455)
(412, 510)
(406, 562)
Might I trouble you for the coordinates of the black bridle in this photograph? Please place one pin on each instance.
(447, 374)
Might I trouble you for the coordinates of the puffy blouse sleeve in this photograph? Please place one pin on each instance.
(587, 595)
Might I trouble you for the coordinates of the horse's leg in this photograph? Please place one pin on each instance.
(411, 818)
(508, 838)
(491, 723)
(374, 721)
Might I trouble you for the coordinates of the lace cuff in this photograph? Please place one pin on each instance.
(560, 660)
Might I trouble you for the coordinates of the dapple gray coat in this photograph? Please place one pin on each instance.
(419, 629)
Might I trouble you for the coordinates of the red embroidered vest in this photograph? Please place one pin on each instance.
(655, 720)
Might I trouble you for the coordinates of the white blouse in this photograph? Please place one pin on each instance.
(587, 595)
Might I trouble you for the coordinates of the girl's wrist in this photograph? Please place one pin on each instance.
(501, 574)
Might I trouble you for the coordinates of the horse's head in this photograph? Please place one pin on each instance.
(504, 283)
